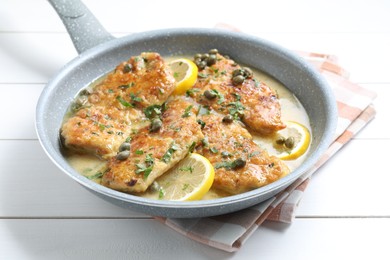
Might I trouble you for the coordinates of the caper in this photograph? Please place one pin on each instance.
(280, 140)
(202, 65)
(210, 94)
(248, 73)
(290, 142)
(156, 125)
(211, 60)
(237, 80)
(124, 147)
(238, 163)
(81, 100)
(205, 56)
(197, 61)
(197, 56)
(86, 91)
(155, 186)
(127, 68)
(213, 51)
(123, 155)
(227, 119)
(238, 72)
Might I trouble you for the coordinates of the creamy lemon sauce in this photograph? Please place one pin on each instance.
(292, 110)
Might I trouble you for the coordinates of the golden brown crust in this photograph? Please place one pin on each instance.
(98, 130)
(116, 105)
(227, 142)
(254, 102)
(166, 147)
(115, 110)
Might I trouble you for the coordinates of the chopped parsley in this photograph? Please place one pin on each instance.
(149, 159)
(139, 152)
(231, 165)
(124, 102)
(236, 109)
(192, 147)
(126, 86)
(224, 164)
(190, 92)
(205, 141)
(97, 175)
(220, 96)
(147, 167)
(135, 98)
(168, 154)
(202, 123)
(213, 150)
(202, 75)
(187, 111)
(187, 169)
(153, 111)
(161, 193)
(237, 96)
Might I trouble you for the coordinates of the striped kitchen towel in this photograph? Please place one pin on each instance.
(228, 232)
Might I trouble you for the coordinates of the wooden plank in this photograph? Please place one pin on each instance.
(366, 65)
(21, 99)
(378, 128)
(353, 183)
(53, 50)
(33, 58)
(116, 15)
(32, 186)
(147, 239)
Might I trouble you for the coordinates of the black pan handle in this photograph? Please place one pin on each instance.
(83, 27)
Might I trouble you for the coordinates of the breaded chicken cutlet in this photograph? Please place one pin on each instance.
(133, 108)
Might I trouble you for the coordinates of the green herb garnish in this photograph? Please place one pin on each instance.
(97, 175)
(190, 92)
(139, 152)
(213, 150)
(202, 123)
(124, 102)
(220, 96)
(153, 111)
(135, 98)
(168, 154)
(236, 109)
(187, 169)
(187, 111)
(192, 147)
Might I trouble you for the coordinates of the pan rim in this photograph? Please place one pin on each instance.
(264, 192)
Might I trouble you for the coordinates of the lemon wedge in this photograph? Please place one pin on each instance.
(190, 179)
(185, 73)
(293, 141)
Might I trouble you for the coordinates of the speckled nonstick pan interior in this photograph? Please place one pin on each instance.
(99, 52)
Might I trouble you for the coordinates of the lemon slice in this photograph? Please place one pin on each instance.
(190, 179)
(293, 141)
(185, 73)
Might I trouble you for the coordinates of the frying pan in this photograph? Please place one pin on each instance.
(99, 52)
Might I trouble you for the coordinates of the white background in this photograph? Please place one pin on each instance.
(45, 215)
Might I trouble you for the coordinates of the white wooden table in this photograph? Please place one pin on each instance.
(45, 215)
